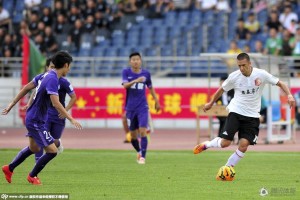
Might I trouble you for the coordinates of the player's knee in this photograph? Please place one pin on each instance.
(225, 143)
(34, 148)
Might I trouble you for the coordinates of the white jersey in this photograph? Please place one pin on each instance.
(247, 91)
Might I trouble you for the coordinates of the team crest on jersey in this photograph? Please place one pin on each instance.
(257, 82)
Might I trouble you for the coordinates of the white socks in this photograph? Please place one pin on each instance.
(214, 143)
(235, 158)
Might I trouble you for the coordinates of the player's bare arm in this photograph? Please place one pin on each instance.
(24, 108)
(291, 100)
(70, 104)
(21, 94)
(62, 110)
(216, 96)
(157, 105)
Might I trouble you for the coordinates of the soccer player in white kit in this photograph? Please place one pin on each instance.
(248, 83)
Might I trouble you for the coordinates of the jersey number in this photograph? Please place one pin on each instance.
(138, 86)
(47, 134)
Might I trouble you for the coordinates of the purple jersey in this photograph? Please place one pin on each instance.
(64, 88)
(136, 94)
(46, 85)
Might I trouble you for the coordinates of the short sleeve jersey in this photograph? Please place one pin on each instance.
(136, 94)
(64, 88)
(247, 91)
(46, 85)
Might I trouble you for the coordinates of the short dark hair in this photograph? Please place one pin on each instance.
(48, 61)
(135, 54)
(60, 58)
(223, 78)
(243, 56)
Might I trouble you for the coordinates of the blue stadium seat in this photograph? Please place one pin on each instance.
(98, 51)
(111, 52)
(84, 52)
(124, 51)
(166, 50)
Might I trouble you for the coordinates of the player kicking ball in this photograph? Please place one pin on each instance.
(248, 83)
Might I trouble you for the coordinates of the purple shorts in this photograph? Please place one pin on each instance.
(137, 119)
(39, 132)
(56, 129)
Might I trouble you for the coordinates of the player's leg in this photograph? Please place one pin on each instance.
(133, 127)
(126, 129)
(248, 135)
(143, 123)
(225, 138)
(21, 156)
(56, 132)
(46, 141)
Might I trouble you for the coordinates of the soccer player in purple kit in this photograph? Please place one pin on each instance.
(37, 115)
(55, 125)
(134, 80)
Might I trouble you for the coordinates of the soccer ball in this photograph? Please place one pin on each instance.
(226, 173)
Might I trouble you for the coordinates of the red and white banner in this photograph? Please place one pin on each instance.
(100, 103)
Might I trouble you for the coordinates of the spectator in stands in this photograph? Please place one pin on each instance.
(158, 9)
(2, 35)
(4, 18)
(241, 32)
(33, 23)
(141, 4)
(59, 8)
(32, 3)
(102, 6)
(101, 21)
(46, 16)
(252, 24)
(90, 8)
(295, 45)
(293, 27)
(223, 5)
(24, 25)
(61, 26)
(234, 50)
(41, 28)
(5, 64)
(244, 6)
(287, 16)
(259, 47)
(40, 44)
(75, 33)
(89, 26)
(74, 14)
(247, 49)
(273, 44)
(273, 21)
(116, 13)
(50, 41)
(130, 7)
(286, 49)
(8, 44)
(205, 5)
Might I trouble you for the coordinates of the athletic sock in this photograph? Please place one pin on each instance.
(235, 158)
(144, 144)
(42, 162)
(22, 155)
(38, 155)
(214, 143)
(136, 145)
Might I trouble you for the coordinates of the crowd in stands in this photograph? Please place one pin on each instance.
(45, 21)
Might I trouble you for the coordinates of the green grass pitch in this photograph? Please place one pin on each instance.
(107, 174)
